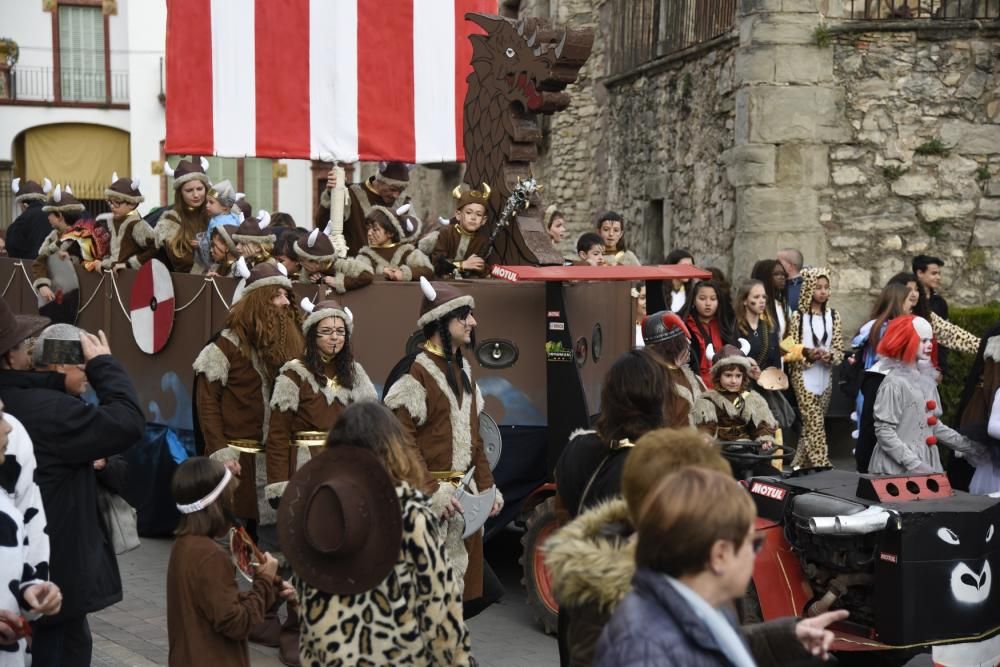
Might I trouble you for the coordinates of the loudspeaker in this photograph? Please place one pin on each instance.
(497, 353)
(596, 341)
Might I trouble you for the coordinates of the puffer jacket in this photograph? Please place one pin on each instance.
(591, 561)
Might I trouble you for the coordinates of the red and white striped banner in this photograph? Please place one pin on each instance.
(339, 80)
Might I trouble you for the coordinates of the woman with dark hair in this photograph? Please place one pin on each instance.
(178, 228)
(611, 228)
(312, 391)
(398, 578)
(772, 274)
(632, 402)
(668, 339)
(946, 334)
(680, 289)
(711, 321)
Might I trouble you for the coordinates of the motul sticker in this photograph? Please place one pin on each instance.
(553, 313)
(889, 558)
(768, 491)
(504, 274)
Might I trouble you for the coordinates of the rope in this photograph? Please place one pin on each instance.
(97, 290)
(12, 274)
(118, 295)
(195, 297)
(219, 292)
(26, 277)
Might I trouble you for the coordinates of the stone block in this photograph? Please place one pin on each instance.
(748, 247)
(915, 185)
(750, 164)
(772, 28)
(755, 65)
(832, 9)
(809, 114)
(986, 233)
(893, 242)
(803, 164)
(945, 209)
(853, 279)
(777, 209)
(848, 175)
(757, 6)
(989, 208)
(803, 64)
(806, 6)
(657, 186)
(971, 138)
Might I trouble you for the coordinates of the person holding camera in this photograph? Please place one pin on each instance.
(69, 435)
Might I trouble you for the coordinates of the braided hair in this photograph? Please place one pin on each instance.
(343, 361)
(454, 359)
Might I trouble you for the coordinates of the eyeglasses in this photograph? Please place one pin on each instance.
(327, 333)
(113, 203)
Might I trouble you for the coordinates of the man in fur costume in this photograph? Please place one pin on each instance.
(907, 408)
(233, 378)
(320, 264)
(132, 240)
(731, 410)
(382, 189)
(592, 559)
(666, 335)
(461, 248)
(386, 255)
(438, 404)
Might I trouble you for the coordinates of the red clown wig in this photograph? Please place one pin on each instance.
(902, 338)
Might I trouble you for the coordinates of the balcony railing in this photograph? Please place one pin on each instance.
(643, 30)
(38, 84)
(924, 9)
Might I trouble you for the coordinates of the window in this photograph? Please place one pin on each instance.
(82, 59)
(251, 176)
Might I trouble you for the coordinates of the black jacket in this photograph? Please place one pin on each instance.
(26, 233)
(69, 435)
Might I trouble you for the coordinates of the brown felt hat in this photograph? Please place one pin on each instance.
(394, 173)
(339, 523)
(15, 328)
(124, 189)
(186, 171)
(316, 247)
(439, 300)
(62, 201)
(30, 190)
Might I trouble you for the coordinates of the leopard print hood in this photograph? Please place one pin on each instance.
(810, 277)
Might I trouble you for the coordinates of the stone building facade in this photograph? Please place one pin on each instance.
(860, 142)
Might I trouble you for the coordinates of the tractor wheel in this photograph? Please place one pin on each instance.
(540, 525)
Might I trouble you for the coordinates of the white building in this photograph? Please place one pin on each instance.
(85, 97)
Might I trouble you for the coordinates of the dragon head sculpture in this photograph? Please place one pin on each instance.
(519, 69)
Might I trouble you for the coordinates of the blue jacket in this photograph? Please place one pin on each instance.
(654, 625)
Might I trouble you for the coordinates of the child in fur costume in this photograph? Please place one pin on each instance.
(74, 235)
(255, 240)
(907, 408)
(387, 256)
(320, 264)
(132, 239)
(817, 328)
(732, 411)
(460, 248)
(611, 228)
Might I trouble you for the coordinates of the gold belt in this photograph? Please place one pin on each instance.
(246, 445)
(309, 438)
(450, 476)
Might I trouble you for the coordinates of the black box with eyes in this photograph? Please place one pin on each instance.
(933, 563)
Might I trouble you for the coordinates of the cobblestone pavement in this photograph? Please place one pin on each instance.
(133, 633)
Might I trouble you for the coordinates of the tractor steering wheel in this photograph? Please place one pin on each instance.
(751, 451)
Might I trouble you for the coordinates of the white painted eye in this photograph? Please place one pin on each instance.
(947, 535)
(510, 52)
(989, 533)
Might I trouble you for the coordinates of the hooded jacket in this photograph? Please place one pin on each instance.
(592, 564)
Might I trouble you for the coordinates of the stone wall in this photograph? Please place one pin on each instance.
(920, 172)
(672, 129)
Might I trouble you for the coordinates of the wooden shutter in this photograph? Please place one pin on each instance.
(81, 53)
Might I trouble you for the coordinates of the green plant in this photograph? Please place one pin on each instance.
(12, 50)
(892, 172)
(687, 84)
(976, 258)
(822, 36)
(933, 147)
(983, 173)
(976, 319)
(934, 228)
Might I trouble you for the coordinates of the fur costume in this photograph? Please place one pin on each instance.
(403, 256)
(133, 242)
(734, 416)
(805, 375)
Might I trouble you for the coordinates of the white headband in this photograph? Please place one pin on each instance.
(199, 505)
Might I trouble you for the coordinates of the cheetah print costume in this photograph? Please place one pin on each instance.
(812, 451)
(413, 617)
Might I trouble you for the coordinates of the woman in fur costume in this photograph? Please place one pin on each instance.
(178, 228)
(386, 256)
(816, 327)
(665, 334)
(907, 408)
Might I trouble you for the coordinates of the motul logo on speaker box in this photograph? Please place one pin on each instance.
(768, 491)
(888, 558)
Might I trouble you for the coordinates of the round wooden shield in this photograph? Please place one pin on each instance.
(152, 307)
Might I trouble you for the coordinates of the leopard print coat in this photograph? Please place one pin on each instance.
(413, 617)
